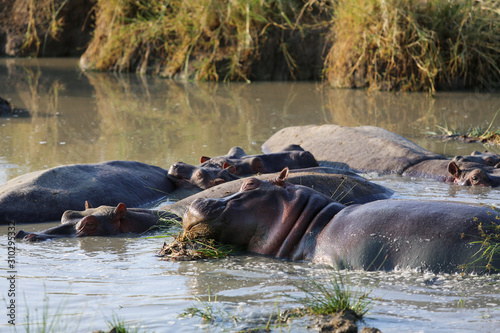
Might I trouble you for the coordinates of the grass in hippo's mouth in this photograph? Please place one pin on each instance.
(185, 247)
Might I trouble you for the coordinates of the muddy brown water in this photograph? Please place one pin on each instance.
(83, 284)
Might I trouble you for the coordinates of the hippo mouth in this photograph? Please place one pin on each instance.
(202, 216)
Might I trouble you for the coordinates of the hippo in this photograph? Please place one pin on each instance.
(221, 169)
(343, 185)
(374, 149)
(187, 175)
(294, 222)
(44, 195)
(101, 221)
(291, 156)
(8, 110)
(485, 158)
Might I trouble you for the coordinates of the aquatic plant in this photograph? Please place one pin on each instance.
(484, 135)
(49, 320)
(209, 310)
(118, 325)
(489, 251)
(334, 295)
(414, 45)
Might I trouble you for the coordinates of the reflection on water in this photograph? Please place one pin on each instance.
(92, 117)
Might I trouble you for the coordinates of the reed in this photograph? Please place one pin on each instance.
(414, 45)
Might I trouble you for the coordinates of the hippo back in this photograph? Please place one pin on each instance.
(44, 195)
(364, 148)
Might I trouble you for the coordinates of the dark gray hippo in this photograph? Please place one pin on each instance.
(8, 110)
(190, 176)
(45, 195)
(217, 170)
(291, 221)
(368, 148)
(342, 185)
(101, 221)
(290, 156)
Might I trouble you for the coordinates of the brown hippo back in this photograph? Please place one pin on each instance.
(364, 148)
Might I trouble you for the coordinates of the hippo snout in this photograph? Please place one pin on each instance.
(30, 237)
(202, 210)
(21, 234)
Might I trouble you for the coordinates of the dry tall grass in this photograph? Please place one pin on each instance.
(415, 44)
(379, 44)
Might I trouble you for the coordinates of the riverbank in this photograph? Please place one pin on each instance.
(380, 45)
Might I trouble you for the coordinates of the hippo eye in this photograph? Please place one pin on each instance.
(474, 179)
(200, 174)
(250, 184)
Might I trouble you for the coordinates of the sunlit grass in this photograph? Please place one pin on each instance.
(414, 45)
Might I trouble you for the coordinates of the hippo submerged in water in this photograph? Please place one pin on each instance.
(101, 221)
(44, 195)
(368, 148)
(217, 170)
(291, 221)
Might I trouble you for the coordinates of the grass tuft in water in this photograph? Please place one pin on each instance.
(486, 135)
(334, 295)
(209, 310)
(489, 252)
(118, 325)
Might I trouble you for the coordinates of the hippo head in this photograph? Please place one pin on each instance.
(485, 158)
(470, 176)
(203, 177)
(100, 221)
(266, 217)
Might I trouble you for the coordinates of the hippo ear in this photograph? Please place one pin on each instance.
(120, 210)
(475, 152)
(454, 170)
(218, 181)
(88, 205)
(119, 213)
(203, 159)
(229, 167)
(258, 165)
(281, 179)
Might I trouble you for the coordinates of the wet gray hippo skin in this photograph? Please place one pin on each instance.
(217, 170)
(291, 156)
(291, 221)
(8, 110)
(100, 221)
(342, 185)
(45, 195)
(368, 148)
(485, 158)
(186, 175)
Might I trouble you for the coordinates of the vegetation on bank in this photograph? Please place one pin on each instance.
(388, 45)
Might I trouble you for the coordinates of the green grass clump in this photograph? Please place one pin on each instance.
(489, 252)
(334, 295)
(415, 45)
